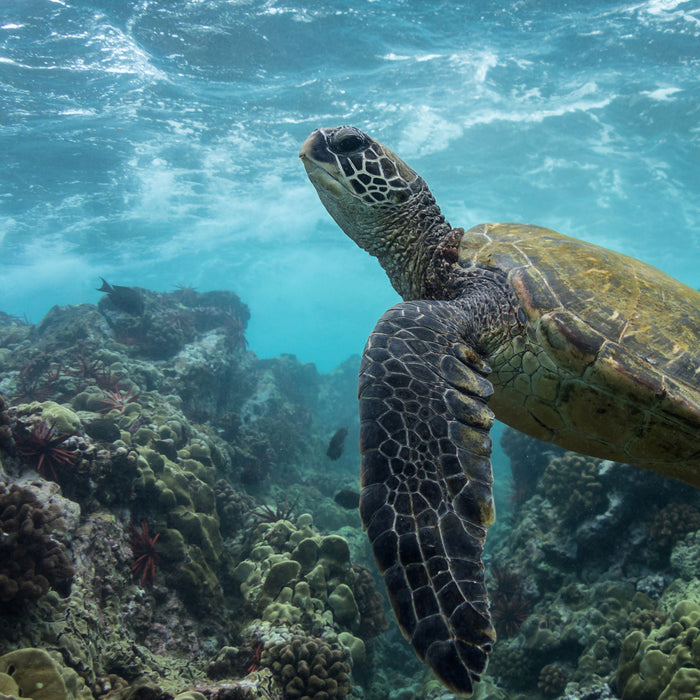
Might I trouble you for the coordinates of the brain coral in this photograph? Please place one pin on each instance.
(30, 561)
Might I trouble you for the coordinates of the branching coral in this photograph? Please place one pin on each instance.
(572, 485)
(672, 523)
(30, 561)
(370, 603)
(232, 507)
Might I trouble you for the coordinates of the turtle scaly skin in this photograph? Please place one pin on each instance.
(563, 340)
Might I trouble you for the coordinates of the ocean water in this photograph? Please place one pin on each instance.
(154, 142)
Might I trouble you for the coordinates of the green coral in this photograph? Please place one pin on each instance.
(62, 418)
(181, 491)
(308, 667)
(35, 674)
(665, 665)
(342, 602)
(293, 575)
(572, 485)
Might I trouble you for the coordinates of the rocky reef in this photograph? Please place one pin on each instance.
(154, 475)
(596, 564)
(168, 529)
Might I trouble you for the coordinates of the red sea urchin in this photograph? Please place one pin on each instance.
(510, 607)
(508, 613)
(118, 400)
(44, 445)
(146, 556)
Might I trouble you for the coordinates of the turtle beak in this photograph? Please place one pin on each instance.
(307, 146)
(315, 149)
(307, 149)
(321, 165)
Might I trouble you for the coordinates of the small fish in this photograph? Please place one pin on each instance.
(128, 299)
(347, 499)
(336, 444)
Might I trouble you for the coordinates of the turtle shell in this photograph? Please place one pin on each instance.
(609, 363)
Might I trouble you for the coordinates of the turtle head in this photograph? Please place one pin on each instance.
(378, 200)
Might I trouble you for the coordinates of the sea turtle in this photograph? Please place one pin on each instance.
(563, 340)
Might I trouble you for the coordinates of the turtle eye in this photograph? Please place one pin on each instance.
(347, 141)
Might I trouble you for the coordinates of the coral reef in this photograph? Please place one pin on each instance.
(171, 320)
(146, 556)
(647, 620)
(583, 550)
(309, 668)
(45, 447)
(672, 523)
(552, 680)
(246, 554)
(232, 506)
(30, 560)
(175, 444)
(665, 664)
(295, 576)
(572, 483)
(34, 673)
(5, 429)
(370, 604)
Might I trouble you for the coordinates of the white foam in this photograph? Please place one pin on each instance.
(427, 132)
(662, 94)
(76, 112)
(476, 64)
(12, 62)
(667, 10)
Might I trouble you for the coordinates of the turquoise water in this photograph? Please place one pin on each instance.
(155, 143)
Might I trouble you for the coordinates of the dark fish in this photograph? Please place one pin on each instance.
(128, 299)
(347, 499)
(336, 444)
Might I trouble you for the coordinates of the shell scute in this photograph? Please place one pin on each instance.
(533, 291)
(573, 343)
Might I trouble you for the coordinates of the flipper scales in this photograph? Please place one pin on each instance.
(427, 485)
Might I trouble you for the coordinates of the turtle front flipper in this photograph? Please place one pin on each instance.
(426, 482)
